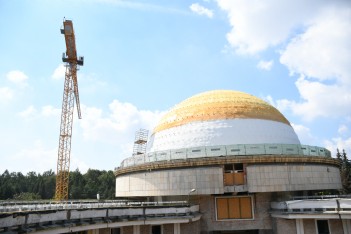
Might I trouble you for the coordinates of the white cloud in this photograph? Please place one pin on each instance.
(48, 111)
(265, 65)
(115, 125)
(41, 159)
(322, 51)
(6, 94)
(339, 143)
(343, 129)
(319, 100)
(304, 134)
(28, 113)
(201, 10)
(316, 35)
(18, 78)
(59, 72)
(257, 25)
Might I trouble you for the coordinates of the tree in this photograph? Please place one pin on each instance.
(345, 170)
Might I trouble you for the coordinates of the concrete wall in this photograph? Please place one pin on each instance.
(309, 226)
(335, 226)
(285, 226)
(190, 228)
(271, 178)
(206, 180)
(262, 219)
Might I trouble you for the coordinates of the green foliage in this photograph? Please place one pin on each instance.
(26, 196)
(33, 186)
(345, 172)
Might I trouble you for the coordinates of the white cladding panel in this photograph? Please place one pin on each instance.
(223, 132)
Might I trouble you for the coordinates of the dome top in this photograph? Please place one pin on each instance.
(219, 105)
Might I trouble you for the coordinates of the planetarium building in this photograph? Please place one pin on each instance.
(237, 165)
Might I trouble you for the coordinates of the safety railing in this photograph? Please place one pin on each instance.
(225, 150)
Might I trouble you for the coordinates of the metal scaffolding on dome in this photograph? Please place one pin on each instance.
(140, 141)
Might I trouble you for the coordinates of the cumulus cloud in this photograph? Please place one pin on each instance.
(322, 51)
(46, 111)
(319, 100)
(201, 10)
(41, 158)
(29, 112)
(338, 143)
(257, 25)
(343, 129)
(304, 134)
(6, 94)
(314, 39)
(18, 78)
(59, 72)
(265, 65)
(117, 123)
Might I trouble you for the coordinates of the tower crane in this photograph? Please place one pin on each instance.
(70, 92)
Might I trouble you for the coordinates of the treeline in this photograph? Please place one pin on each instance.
(345, 171)
(33, 186)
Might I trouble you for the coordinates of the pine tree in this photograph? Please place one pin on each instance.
(344, 172)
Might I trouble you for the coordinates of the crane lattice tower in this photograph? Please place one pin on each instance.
(70, 92)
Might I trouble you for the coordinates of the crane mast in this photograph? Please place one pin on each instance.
(70, 93)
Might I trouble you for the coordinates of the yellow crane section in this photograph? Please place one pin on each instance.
(70, 92)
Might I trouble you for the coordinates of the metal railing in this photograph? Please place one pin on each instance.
(225, 150)
(19, 206)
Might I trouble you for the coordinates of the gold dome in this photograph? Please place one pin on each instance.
(219, 104)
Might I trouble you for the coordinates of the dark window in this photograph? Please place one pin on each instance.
(235, 150)
(115, 231)
(196, 151)
(228, 167)
(156, 229)
(322, 227)
(238, 167)
(215, 149)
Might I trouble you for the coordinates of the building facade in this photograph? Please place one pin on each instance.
(239, 160)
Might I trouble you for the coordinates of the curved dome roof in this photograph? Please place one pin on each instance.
(219, 104)
(221, 117)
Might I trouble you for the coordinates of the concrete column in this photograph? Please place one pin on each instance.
(299, 226)
(136, 229)
(346, 225)
(176, 228)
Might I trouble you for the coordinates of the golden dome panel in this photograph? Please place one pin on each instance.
(218, 105)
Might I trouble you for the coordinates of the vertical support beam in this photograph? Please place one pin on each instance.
(136, 229)
(176, 228)
(299, 226)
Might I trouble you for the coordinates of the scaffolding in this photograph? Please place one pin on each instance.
(140, 141)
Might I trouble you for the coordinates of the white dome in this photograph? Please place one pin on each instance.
(221, 117)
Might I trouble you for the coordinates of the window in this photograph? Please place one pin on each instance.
(115, 230)
(156, 229)
(322, 226)
(216, 149)
(234, 208)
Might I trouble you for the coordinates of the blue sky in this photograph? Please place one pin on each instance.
(144, 57)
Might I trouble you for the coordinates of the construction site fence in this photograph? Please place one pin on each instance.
(226, 150)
